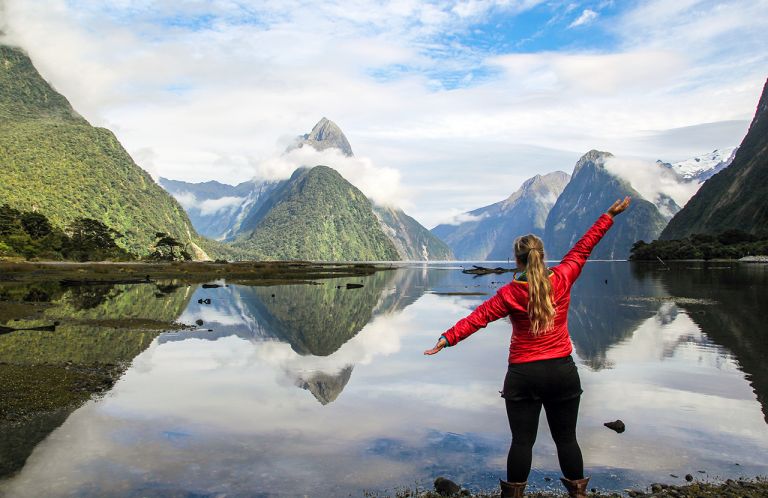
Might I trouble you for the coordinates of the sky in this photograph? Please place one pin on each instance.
(452, 104)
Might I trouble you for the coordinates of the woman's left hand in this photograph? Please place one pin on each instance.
(441, 343)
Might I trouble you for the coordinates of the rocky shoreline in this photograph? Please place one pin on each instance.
(730, 488)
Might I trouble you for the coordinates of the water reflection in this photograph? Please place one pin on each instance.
(323, 390)
(45, 375)
(727, 303)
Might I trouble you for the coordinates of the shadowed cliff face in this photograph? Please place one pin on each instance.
(736, 321)
(589, 194)
(45, 375)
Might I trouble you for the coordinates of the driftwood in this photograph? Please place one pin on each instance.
(479, 270)
(46, 328)
(69, 282)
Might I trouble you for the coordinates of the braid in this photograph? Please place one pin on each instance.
(529, 249)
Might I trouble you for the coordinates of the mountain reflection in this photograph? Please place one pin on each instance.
(45, 376)
(602, 312)
(316, 321)
(736, 320)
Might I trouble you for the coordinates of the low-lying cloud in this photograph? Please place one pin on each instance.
(207, 207)
(459, 218)
(652, 180)
(380, 184)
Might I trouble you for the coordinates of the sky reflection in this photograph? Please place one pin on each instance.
(244, 411)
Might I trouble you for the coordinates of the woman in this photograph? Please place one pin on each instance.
(541, 371)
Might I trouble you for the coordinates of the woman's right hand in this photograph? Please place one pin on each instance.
(618, 207)
(441, 343)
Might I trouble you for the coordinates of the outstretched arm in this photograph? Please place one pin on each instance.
(573, 262)
(491, 310)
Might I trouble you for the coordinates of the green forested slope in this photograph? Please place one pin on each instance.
(318, 215)
(54, 162)
(734, 198)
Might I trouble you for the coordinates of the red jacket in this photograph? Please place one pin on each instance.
(512, 300)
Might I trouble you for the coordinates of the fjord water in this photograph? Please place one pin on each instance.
(321, 390)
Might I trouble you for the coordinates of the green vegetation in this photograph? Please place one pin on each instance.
(56, 164)
(30, 235)
(730, 244)
(736, 196)
(168, 249)
(318, 215)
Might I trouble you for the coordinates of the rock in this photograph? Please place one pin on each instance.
(354, 286)
(616, 425)
(656, 487)
(673, 475)
(211, 286)
(199, 321)
(203, 301)
(688, 477)
(547, 479)
(446, 487)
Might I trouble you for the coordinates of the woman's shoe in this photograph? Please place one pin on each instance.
(512, 489)
(577, 488)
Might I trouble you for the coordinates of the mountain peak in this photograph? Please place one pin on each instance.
(596, 157)
(325, 135)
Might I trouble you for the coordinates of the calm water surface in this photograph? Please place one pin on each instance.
(321, 390)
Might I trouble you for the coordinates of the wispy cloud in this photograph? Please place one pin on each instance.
(209, 87)
(587, 17)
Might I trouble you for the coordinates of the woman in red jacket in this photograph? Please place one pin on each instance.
(541, 371)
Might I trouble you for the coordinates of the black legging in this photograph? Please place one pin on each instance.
(524, 421)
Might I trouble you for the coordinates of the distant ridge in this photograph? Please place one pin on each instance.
(491, 230)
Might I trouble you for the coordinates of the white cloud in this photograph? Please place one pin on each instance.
(459, 218)
(651, 180)
(209, 103)
(187, 200)
(212, 206)
(586, 17)
(380, 184)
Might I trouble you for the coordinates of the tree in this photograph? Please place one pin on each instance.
(36, 225)
(167, 248)
(91, 239)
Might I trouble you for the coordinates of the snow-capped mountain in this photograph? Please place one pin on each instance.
(703, 167)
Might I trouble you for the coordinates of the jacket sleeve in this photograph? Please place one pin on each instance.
(491, 310)
(571, 265)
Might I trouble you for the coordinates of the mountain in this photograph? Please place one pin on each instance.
(702, 168)
(226, 212)
(411, 239)
(317, 215)
(492, 230)
(734, 198)
(590, 192)
(325, 135)
(217, 210)
(56, 163)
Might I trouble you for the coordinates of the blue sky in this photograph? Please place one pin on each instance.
(428, 93)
